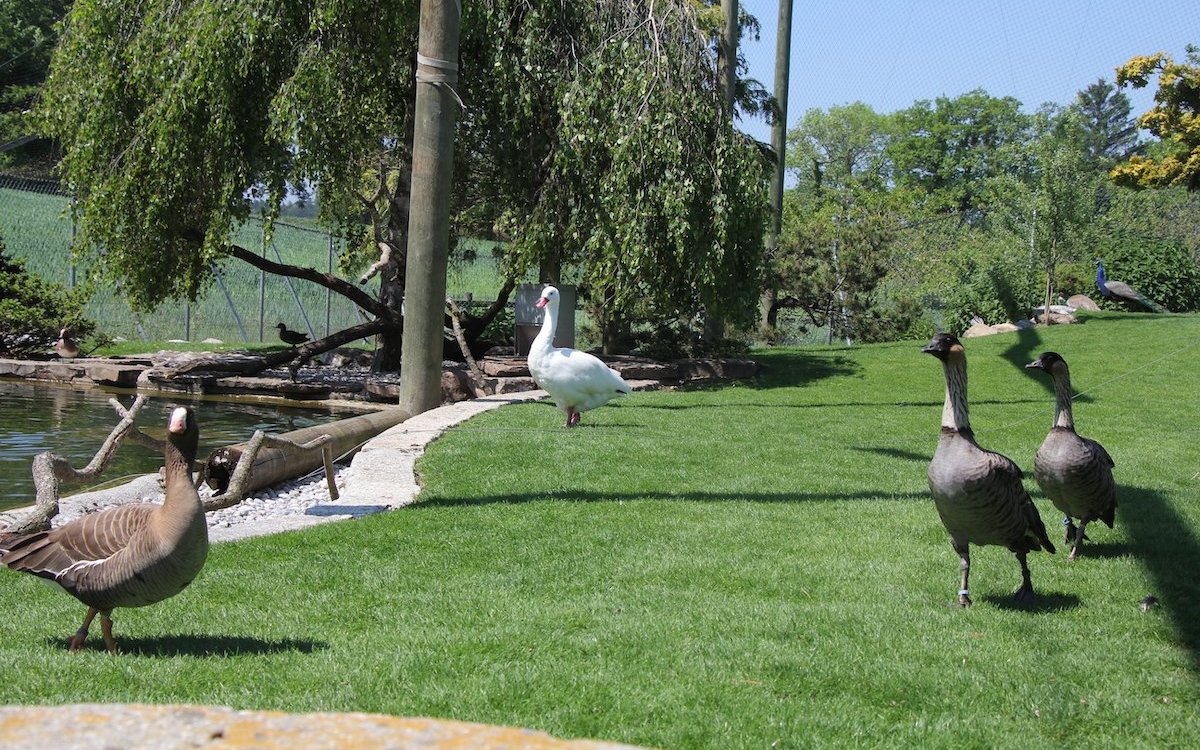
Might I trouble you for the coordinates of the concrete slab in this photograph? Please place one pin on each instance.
(176, 727)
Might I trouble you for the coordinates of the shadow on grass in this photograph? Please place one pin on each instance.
(1170, 551)
(1085, 316)
(579, 496)
(903, 455)
(1043, 602)
(205, 645)
(781, 370)
(826, 404)
(1024, 350)
(1099, 550)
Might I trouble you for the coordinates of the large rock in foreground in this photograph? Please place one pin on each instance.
(146, 727)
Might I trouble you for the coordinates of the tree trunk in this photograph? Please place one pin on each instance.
(429, 213)
(714, 326)
(769, 309)
(392, 280)
(550, 269)
(1049, 294)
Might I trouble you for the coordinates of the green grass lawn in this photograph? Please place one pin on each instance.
(747, 566)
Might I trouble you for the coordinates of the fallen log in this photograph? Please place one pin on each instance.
(273, 465)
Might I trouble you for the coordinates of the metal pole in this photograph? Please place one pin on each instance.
(291, 288)
(262, 296)
(216, 272)
(328, 291)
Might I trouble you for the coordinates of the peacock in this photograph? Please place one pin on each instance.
(1119, 290)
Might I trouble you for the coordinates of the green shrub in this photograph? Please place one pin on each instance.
(992, 281)
(1163, 271)
(32, 311)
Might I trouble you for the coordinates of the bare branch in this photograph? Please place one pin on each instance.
(385, 257)
(240, 481)
(244, 364)
(51, 470)
(456, 322)
(329, 281)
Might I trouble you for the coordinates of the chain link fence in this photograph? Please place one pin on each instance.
(242, 305)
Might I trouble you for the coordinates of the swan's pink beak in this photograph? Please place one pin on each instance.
(542, 302)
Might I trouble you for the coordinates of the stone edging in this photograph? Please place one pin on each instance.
(381, 475)
(176, 727)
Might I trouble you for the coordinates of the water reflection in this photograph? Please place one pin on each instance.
(74, 423)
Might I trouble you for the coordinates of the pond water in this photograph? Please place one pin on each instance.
(74, 423)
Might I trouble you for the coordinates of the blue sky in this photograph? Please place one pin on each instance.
(892, 53)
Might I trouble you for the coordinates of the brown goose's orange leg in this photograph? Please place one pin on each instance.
(110, 643)
(76, 641)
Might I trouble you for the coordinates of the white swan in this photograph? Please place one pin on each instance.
(576, 380)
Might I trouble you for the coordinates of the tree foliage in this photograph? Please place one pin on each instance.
(946, 150)
(32, 310)
(27, 38)
(1104, 125)
(838, 220)
(839, 149)
(592, 133)
(1053, 203)
(1175, 119)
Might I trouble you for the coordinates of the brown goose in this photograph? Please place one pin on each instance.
(66, 346)
(130, 555)
(978, 493)
(1075, 472)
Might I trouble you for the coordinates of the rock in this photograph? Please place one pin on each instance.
(382, 390)
(303, 390)
(456, 385)
(1082, 302)
(1005, 328)
(504, 367)
(978, 329)
(114, 375)
(175, 727)
(212, 341)
(636, 368)
(346, 356)
(514, 385)
(1059, 319)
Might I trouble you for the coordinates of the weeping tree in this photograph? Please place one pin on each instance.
(592, 137)
(618, 158)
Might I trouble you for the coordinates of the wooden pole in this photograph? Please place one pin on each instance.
(727, 59)
(429, 215)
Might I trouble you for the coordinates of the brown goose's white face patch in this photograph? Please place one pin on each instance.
(178, 423)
